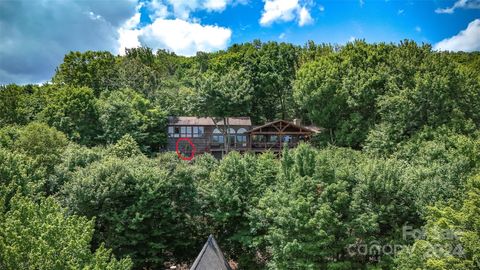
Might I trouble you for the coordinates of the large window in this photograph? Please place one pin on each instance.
(217, 136)
(185, 131)
(231, 136)
(241, 137)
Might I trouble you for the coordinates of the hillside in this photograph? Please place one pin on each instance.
(390, 183)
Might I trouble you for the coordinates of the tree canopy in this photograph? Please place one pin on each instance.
(390, 182)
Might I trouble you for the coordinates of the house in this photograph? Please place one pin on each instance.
(209, 136)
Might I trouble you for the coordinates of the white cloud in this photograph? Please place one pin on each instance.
(361, 2)
(128, 32)
(183, 37)
(183, 8)
(281, 36)
(284, 11)
(158, 9)
(321, 8)
(418, 29)
(305, 17)
(352, 39)
(128, 38)
(278, 10)
(217, 5)
(466, 4)
(467, 40)
(400, 11)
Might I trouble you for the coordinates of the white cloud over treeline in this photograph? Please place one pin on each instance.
(467, 40)
(285, 11)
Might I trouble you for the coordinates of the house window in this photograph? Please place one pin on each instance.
(197, 132)
(273, 139)
(231, 136)
(241, 137)
(173, 132)
(217, 136)
(184, 132)
(259, 138)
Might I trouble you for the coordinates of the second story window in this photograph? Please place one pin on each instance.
(197, 132)
(185, 131)
(173, 132)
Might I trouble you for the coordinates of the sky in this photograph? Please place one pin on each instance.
(36, 34)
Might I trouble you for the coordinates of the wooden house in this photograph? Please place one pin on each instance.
(210, 136)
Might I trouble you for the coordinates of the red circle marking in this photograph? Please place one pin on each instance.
(180, 154)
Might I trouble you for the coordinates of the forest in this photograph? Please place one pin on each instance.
(392, 181)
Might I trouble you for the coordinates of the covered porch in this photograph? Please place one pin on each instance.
(272, 136)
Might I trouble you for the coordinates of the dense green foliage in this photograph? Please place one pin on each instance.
(378, 94)
(141, 211)
(128, 112)
(72, 110)
(83, 184)
(452, 236)
(41, 236)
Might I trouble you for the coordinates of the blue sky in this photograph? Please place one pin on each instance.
(338, 21)
(37, 34)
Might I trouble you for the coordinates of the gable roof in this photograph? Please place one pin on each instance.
(206, 121)
(210, 257)
(285, 124)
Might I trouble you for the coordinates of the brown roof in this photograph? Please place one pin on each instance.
(206, 121)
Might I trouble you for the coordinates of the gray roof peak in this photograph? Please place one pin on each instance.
(210, 257)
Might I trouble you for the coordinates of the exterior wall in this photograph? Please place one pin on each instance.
(203, 143)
